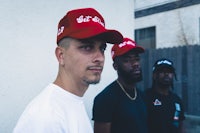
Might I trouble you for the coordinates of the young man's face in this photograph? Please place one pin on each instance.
(128, 67)
(164, 76)
(84, 60)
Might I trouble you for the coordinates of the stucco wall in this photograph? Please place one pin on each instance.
(28, 39)
(175, 27)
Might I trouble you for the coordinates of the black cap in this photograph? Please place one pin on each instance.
(166, 63)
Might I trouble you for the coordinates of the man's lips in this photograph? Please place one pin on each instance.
(137, 71)
(166, 78)
(98, 69)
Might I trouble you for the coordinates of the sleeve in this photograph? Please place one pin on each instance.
(104, 107)
(182, 113)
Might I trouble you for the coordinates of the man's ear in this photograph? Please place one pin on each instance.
(114, 65)
(59, 52)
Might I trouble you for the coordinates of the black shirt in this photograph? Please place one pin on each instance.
(126, 115)
(165, 112)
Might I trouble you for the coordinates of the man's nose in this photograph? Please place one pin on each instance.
(99, 56)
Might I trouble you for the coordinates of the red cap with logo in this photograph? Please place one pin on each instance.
(124, 47)
(85, 23)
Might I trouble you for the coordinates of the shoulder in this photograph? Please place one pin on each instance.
(42, 107)
(149, 95)
(42, 114)
(140, 92)
(175, 97)
(109, 92)
(38, 118)
(148, 92)
(108, 97)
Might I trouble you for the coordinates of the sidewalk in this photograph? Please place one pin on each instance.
(192, 124)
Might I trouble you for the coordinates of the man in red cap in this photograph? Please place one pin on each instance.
(120, 108)
(59, 108)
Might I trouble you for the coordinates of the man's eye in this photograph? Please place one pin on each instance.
(126, 60)
(137, 59)
(103, 48)
(87, 47)
(131, 60)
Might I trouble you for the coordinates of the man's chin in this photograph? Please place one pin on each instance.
(93, 81)
(134, 79)
(167, 84)
(137, 77)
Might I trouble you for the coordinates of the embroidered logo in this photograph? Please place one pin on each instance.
(177, 106)
(157, 102)
(126, 43)
(176, 115)
(164, 62)
(60, 30)
(85, 19)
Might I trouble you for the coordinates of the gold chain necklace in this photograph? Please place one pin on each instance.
(135, 92)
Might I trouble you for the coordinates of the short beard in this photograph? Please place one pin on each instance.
(90, 81)
(166, 84)
(130, 78)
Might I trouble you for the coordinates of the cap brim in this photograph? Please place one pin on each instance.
(164, 66)
(138, 49)
(110, 36)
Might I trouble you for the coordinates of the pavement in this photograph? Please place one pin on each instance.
(192, 124)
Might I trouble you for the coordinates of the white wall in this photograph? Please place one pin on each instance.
(28, 39)
(143, 4)
(175, 27)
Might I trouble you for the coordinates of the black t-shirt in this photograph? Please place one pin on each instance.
(164, 112)
(126, 115)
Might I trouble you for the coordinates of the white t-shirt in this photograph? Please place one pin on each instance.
(54, 110)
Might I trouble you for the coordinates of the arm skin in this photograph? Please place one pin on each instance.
(102, 127)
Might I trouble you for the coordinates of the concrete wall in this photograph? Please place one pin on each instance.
(174, 28)
(28, 39)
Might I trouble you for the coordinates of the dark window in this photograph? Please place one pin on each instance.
(146, 37)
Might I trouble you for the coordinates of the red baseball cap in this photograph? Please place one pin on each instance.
(85, 23)
(124, 47)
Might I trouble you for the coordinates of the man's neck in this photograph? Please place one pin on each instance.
(70, 86)
(127, 85)
(162, 90)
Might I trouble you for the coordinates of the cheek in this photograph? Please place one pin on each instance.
(171, 75)
(78, 62)
(161, 74)
(124, 68)
(127, 67)
(75, 66)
